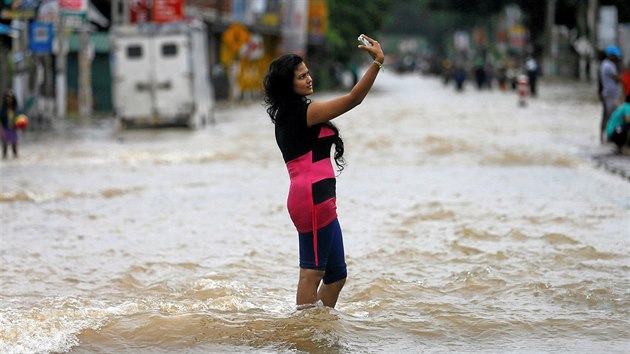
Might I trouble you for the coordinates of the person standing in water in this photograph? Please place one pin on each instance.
(305, 137)
(610, 85)
(8, 132)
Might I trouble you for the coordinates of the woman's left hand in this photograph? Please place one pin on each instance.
(375, 51)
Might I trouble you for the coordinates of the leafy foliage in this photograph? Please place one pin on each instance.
(348, 19)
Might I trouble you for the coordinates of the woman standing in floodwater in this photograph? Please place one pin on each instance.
(305, 136)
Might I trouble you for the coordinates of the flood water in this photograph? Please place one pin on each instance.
(470, 225)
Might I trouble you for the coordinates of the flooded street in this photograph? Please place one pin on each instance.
(470, 225)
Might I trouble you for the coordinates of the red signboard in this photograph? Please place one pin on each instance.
(73, 5)
(138, 11)
(168, 10)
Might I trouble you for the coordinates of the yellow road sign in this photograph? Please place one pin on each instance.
(235, 36)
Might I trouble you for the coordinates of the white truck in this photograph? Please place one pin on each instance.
(160, 74)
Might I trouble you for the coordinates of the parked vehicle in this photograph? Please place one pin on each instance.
(160, 74)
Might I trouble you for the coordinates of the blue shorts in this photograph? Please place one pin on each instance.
(330, 256)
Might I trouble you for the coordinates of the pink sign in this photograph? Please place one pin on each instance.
(73, 5)
(168, 10)
(138, 11)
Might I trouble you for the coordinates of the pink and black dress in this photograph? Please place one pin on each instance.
(312, 197)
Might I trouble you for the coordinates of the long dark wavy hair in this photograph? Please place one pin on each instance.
(281, 99)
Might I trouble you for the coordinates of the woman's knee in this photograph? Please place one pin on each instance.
(311, 275)
(338, 284)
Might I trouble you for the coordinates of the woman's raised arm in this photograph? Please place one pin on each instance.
(321, 112)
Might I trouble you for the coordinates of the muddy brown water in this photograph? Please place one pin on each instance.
(470, 225)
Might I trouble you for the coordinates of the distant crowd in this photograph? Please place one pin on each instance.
(507, 74)
(613, 88)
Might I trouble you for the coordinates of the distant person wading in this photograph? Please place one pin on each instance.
(305, 137)
(610, 85)
(8, 132)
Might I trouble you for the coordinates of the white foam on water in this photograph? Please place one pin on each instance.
(49, 329)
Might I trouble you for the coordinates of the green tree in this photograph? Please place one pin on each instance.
(435, 25)
(347, 19)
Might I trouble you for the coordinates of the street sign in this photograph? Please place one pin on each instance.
(317, 20)
(139, 11)
(74, 20)
(41, 37)
(235, 36)
(74, 12)
(48, 11)
(253, 49)
(18, 10)
(79, 6)
(168, 11)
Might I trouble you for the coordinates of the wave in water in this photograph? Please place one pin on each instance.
(39, 197)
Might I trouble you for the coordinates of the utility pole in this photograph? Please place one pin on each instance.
(114, 12)
(60, 68)
(4, 66)
(19, 58)
(549, 58)
(591, 23)
(85, 72)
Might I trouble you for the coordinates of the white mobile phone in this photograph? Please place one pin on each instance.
(364, 41)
